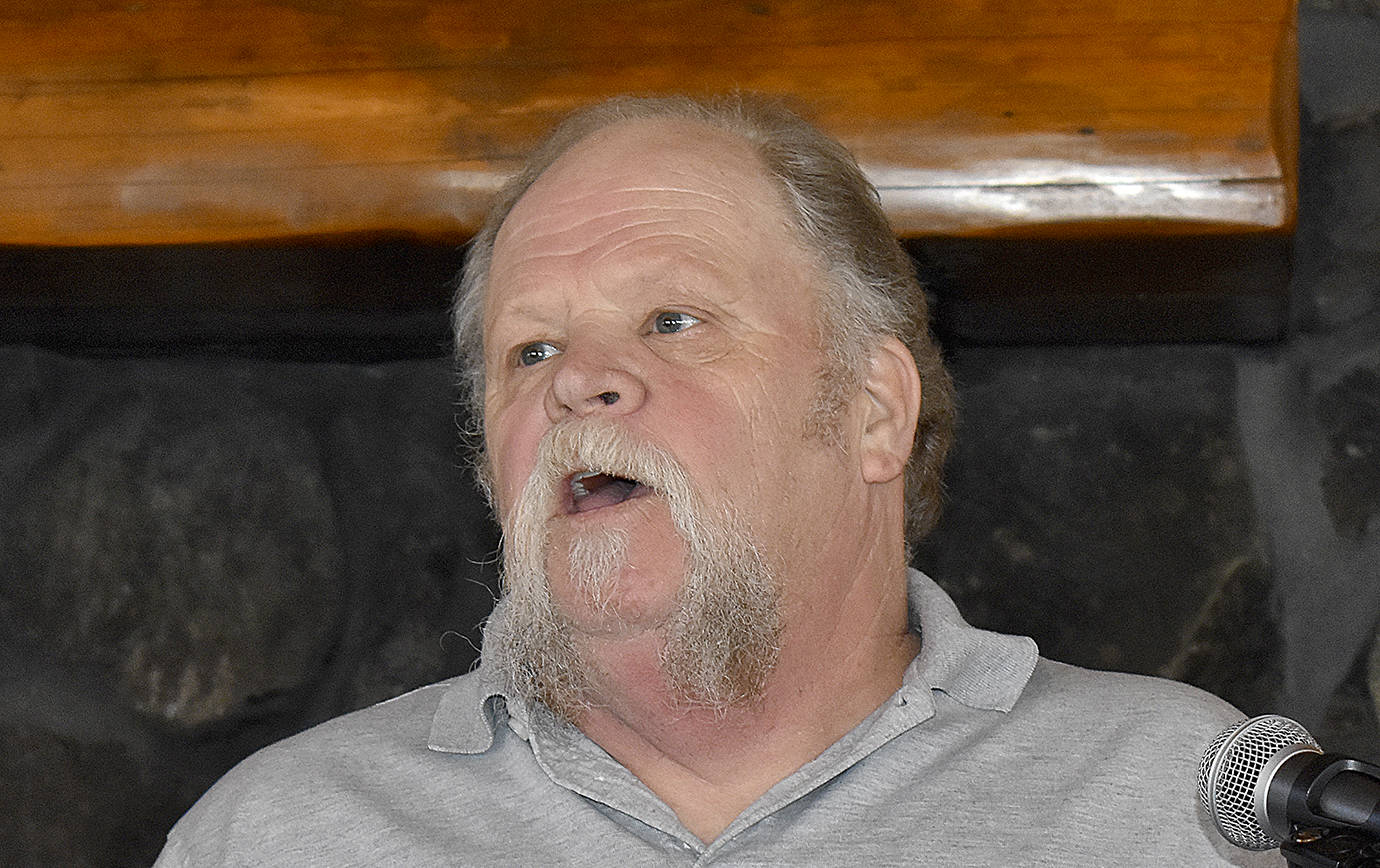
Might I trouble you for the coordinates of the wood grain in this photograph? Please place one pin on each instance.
(170, 121)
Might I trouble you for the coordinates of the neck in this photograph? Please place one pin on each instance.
(842, 656)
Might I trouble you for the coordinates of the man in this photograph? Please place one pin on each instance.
(710, 410)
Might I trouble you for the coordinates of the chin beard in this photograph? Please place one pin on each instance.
(722, 638)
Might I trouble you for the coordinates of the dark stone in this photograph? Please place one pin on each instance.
(1339, 64)
(1352, 717)
(201, 556)
(1232, 646)
(1349, 415)
(1337, 261)
(83, 780)
(1347, 186)
(175, 535)
(1338, 240)
(1303, 408)
(1093, 482)
(350, 301)
(75, 802)
(1324, 580)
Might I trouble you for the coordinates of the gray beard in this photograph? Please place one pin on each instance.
(722, 639)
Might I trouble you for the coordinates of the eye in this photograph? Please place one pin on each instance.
(535, 352)
(669, 322)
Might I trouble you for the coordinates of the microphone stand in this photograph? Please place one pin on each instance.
(1316, 847)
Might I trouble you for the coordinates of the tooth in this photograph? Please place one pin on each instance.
(577, 487)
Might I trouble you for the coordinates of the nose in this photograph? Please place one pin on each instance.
(592, 380)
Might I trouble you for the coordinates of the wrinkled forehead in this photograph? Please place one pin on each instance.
(678, 174)
(667, 154)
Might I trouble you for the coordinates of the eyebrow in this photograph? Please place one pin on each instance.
(529, 312)
(520, 320)
(679, 273)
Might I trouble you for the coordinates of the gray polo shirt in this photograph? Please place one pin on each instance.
(986, 755)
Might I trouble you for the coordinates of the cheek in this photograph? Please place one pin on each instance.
(740, 432)
(770, 402)
(512, 437)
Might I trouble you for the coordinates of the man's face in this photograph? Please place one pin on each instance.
(650, 281)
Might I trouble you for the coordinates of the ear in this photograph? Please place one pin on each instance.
(891, 405)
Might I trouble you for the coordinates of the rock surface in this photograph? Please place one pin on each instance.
(203, 555)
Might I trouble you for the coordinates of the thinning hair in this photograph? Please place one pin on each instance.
(870, 291)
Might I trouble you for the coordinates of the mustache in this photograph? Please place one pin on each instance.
(574, 449)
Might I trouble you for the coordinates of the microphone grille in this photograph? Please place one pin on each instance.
(1231, 766)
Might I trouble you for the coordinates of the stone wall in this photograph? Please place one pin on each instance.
(202, 554)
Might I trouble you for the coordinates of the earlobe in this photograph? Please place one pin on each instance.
(892, 393)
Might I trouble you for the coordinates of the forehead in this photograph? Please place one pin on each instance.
(643, 189)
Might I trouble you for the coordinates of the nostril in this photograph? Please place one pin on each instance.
(608, 397)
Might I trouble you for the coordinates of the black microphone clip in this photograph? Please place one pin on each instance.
(1326, 790)
(1333, 804)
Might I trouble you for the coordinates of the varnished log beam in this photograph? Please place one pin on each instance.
(177, 121)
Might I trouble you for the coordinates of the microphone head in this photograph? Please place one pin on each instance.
(1231, 771)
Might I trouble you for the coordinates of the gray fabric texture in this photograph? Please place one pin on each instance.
(987, 755)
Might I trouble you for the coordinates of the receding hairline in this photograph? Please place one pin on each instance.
(681, 136)
(678, 138)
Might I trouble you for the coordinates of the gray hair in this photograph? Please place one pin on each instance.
(871, 291)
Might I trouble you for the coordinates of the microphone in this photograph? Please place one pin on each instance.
(1262, 777)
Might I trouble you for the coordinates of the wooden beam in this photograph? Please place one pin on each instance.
(177, 121)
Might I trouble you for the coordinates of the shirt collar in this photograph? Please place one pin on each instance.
(473, 706)
(468, 714)
(978, 668)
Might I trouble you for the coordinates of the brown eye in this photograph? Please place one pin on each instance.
(535, 353)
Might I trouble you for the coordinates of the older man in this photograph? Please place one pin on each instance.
(710, 412)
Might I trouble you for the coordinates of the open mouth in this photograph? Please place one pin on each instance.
(590, 490)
